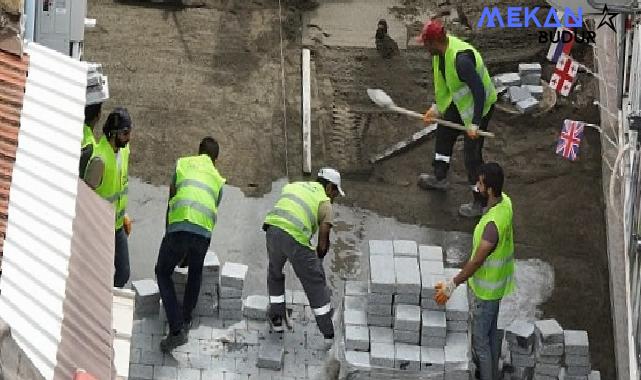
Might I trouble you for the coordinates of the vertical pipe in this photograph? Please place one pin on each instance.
(30, 21)
(622, 53)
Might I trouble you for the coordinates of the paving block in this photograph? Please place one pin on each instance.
(550, 349)
(528, 105)
(457, 308)
(407, 317)
(457, 350)
(547, 369)
(458, 326)
(535, 91)
(518, 94)
(434, 323)
(271, 354)
(141, 372)
(531, 80)
(380, 320)
(594, 375)
(408, 357)
(300, 298)
(578, 371)
(255, 307)
(539, 376)
(428, 283)
(146, 291)
(382, 354)
(382, 274)
(355, 317)
(408, 299)
(563, 375)
(430, 253)
(230, 303)
(355, 288)
(432, 359)
(233, 275)
(229, 292)
(520, 333)
(508, 79)
(165, 373)
(380, 298)
(549, 359)
(211, 265)
(381, 247)
(179, 276)
(379, 334)
(519, 360)
(521, 373)
(357, 358)
(529, 68)
(382, 309)
(355, 303)
(231, 314)
(430, 304)
(357, 338)
(408, 275)
(429, 266)
(576, 342)
(520, 350)
(408, 337)
(576, 360)
(432, 341)
(549, 331)
(405, 248)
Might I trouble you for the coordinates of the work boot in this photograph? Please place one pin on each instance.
(278, 323)
(173, 340)
(429, 182)
(328, 342)
(471, 210)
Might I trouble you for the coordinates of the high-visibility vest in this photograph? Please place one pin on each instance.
(87, 136)
(296, 212)
(450, 88)
(198, 186)
(495, 278)
(113, 184)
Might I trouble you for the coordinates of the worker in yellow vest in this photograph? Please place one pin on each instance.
(489, 272)
(107, 173)
(465, 95)
(194, 195)
(92, 116)
(302, 209)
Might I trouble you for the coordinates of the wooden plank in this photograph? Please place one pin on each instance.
(307, 113)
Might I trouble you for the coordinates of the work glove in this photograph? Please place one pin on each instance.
(444, 291)
(127, 225)
(430, 115)
(473, 132)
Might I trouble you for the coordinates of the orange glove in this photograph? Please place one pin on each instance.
(473, 132)
(444, 291)
(430, 115)
(127, 225)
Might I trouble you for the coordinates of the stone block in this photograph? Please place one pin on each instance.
(382, 354)
(141, 372)
(430, 253)
(519, 360)
(429, 281)
(457, 308)
(540, 376)
(458, 326)
(379, 334)
(405, 248)
(594, 375)
(165, 373)
(381, 247)
(576, 342)
(508, 79)
(432, 359)
(299, 298)
(271, 354)
(408, 357)
(457, 350)
(429, 266)
(434, 323)
(408, 337)
(211, 265)
(255, 307)
(380, 298)
(408, 275)
(520, 333)
(146, 291)
(518, 94)
(231, 314)
(233, 275)
(379, 309)
(355, 288)
(206, 307)
(549, 359)
(180, 276)
(535, 91)
(549, 331)
(549, 349)
(578, 371)
(382, 274)
(408, 299)
(563, 375)
(357, 358)
(229, 292)
(576, 360)
(528, 105)
(531, 80)
(355, 303)
(231, 303)
(407, 317)
(547, 369)
(357, 338)
(355, 317)
(432, 341)
(380, 320)
(529, 68)
(520, 350)
(430, 304)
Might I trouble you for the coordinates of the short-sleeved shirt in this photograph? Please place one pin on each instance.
(491, 234)
(325, 213)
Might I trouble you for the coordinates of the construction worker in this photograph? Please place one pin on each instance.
(385, 45)
(107, 173)
(194, 195)
(303, 208)
(465, 95)
(490, 270)
(92, 116)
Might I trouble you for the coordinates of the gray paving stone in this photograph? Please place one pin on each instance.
(517, 94)
(578, 371)
(135, 355)
(520, 333)
(429, 266)
(434, 323)
(531, 80)
(408, 357)
(355, 303)
(457, 350)
(165, 373)
(153, 326)
(407, 317)
(382, 355)
(231, 315)
(299, 298)
(408, 299)
(141, 341)
(407, 337)
(547, 369)
(549, 359)
(271, 355)
(152, 357)
(564, 376)
(576, 342)
(576, 360)
(405, 248)
(141, 372)
(381, 247)
(230, 303)
(230, 292)
(380, 298)
(180, 276)
(550, 349)
(432, 341)
(233, 275)
(200, 332)
(527, 105)
(357, 358)
(255, 307)
(382, 274)
(408, 275)
(188, 374)
(457, 308)
(376, 309)
(235, 376)
(529, 68)
(520, 350)
(549, 331)
(144, 289)
(357, 338)
(430, 304)
(508, 79)
(380, 320)
(355, 288)
(432, 359)
(381, 334)
(594, 375)
(539, 376)
(458, 326)
(355, 317)
(519, 360)
(430, 253)
(536, 90)
(211, 263)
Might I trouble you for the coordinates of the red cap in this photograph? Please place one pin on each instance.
(432, 30)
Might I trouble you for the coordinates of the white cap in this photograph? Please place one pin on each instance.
(333, 176)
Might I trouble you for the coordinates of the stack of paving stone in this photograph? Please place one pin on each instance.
(382, 283)
(255, 307)
(232, 282)
(207, 305)
(520, 339)
(524, 89)
(147, 299)
(433, 332)
(577, 356)
(407, 312)
(549, 349)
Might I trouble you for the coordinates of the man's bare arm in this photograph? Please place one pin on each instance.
(323, 239)
(482, 252)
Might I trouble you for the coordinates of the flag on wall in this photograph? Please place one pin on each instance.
(570, 139)
(564, 75)
(557, 49)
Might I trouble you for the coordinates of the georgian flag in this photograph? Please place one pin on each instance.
(564, 74)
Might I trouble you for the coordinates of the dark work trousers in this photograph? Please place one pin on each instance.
(281, 248)
(472, 149)
(121, 259)
(174, 247)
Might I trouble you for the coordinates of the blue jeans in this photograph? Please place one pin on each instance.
(174, 246)
(121, 259)
(485, 344)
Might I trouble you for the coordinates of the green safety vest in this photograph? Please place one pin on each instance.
(452, 89)
(296, 212)
(198, 186)
(87, 136)
(113, 184)
(495, 278)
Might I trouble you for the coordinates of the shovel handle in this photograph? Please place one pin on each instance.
(446, 123)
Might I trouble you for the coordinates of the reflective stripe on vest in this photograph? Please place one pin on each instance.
(495, 278)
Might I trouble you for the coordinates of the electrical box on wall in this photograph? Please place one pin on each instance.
(60, 25)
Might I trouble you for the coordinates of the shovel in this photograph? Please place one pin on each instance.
(383, 100)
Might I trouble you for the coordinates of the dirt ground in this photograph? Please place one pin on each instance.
(187, 72)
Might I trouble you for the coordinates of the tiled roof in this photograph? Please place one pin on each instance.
(13, 76)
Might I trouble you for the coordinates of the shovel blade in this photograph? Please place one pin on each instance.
(379, 97)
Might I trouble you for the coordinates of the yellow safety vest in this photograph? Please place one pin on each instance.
(87, 136)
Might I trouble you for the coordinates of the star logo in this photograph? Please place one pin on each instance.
(608, 19)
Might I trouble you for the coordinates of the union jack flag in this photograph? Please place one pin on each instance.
(571, 134)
